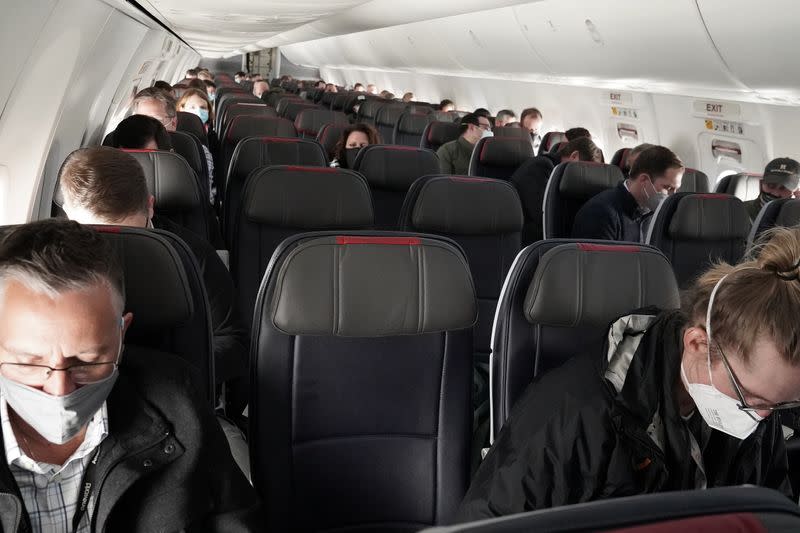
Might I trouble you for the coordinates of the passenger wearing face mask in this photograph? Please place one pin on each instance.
(353, 139)
(781, 180)
(454, 156)
(622, 213)
(676, 400)
(96, 435)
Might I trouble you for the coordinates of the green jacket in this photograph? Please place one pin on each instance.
(454, 156)
(753, 208)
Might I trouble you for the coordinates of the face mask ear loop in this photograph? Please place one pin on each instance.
(708, 324)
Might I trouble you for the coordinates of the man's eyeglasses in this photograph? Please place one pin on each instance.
(743, 405)
(36, 375)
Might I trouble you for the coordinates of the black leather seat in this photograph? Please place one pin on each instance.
(514, 133)
(499, 157)
(446, 116)
(695, 230)
(310, 121)
(386, 120)
(777, 213)
(326, 100)
(363, 359)
(191, 123)
(695, 181)
(570, 186)
(368, 111)
(222, 104)
(438, 133)
(745, 186)
(729, 509)
(550, 140)
(243, 108)
(328, 137)
(620, 159)
(295, 108)
(559, 300)
(340, 100)
(283, 100)
(257, 152)
(390, 170)
(281, 201)
(410, 128)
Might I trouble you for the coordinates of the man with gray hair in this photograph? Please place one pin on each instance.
(80, 411)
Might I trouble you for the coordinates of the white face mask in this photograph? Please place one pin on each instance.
(654, 199)
(486, 133)
(720, 411)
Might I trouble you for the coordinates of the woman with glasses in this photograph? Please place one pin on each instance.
(676, 400)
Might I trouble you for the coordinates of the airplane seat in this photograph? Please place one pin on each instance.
(312, 94)
(386, 119)
(310, 121)
(255, 152)
(295, 108)
(409, 129)
(745, 186)
(746, 509)
(222, 91)
(326, 101)
(363, 356)
(247, 85)
(191, 123)
(695, 230)
(280, 201)
(514, 133)
(329, 137)
(549, 140)
(390, 171)
(338, 103)
(243, 108)
(283, 100)
(777, 213)
(245, 126)
(222, 104)
(423, 108)
(558, 301)
(620, 159)
(438, 133)
(368, 111)
(570, 186)
(446, 116)
(499, 157)
(694, 181)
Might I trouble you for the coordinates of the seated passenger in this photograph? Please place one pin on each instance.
(454, 156)
(84, 416)
(531, 120)
(321, 85)
(671, 404)
(407, 97)
(164, 86)
(191, 74)
(331, 88)
(107, 186)
(211, 90)
(781, 180)
(359, 88)
(621, 213)
(259, 88)
(197, 102)
(633, 155)
(353, 139)
(504, 117)
(140, 132)
(372, 89)
(447, 105)
(574, 133)
(205, 75)
(239, 77)
(531, 178)
(257, 78)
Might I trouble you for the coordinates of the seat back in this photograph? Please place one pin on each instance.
(282, 102)
(409, 129)
(368, 111)
(558, 301)
(696, 230)
(570, 186)
(390, 170)
(446, 116)
(745, 186)
(191, 123)
(230, 100)
(550, 140)
(190, 148)
(499, 157)
(280, 201)
(328, 137)
(777, 213)
(386, 120)
(326, 100)
(514, 133)
(620, 159)
(253, 153)
(363, 356)
(294, 108)
(438, 133)
(243, 108)
(310, 121)
(695, 181)
(339, 101)
(245, 126)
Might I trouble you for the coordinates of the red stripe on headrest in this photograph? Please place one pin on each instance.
(323, 170)
(139, 150)
(106, 229)
(281, 139)
(587, 247)
(393, 241)
(712, 196)
(403, 148)
(470, 179)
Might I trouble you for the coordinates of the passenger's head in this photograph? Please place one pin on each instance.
(473, 127)
(204, 75)
(753, 324)
(331, 88)
(140, 132)
(781, 179)
(353, 139)
(447, 105)
(656, 174)
(359, 88)
(574, 133)
(257, 77)
(407, 97)
(191, 74)
(482, 112)
(531, 120)
(504, 116)
(211, 90)
(102, 185)
(372, 89)
(197, 102)
(634, 155)
(157, 104)
(196, 83)
(63, 304)
(164, 86)
(580, 149)
(321, 84)
(239, 77)
(259, 88)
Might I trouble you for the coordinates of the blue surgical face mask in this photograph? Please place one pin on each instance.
(202, 113)
(212, 96)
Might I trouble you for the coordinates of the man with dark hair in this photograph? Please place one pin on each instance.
(164, 86)
(531, 120)
(618, 214)
(140, 132)
(633, 155)
(239, 77)
(781, 179)
(359, 88)
(504, 116)
(454, 156)
(107, 186)
(97, 435)
(531, 177)
(211, 90)
(447, 105)
(191, 74)
(482, 112)
(574, 133)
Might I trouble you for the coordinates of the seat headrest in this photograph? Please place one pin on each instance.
(258, 125)
(789, 214)
(395, 167)
(157, 290)
(308, 198)
(590, 284)
(505, 151)
(467, 206)
(413, 123)
(442, 132)
(694, 181)
(311, 120)
(552, 138)
(170, 179)
(390, 114)
(706, 217)
(582, 179)
(373, 286)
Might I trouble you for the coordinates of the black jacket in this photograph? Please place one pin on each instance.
(530, 179)
(591, 430)
(612, 215)
(165, 465)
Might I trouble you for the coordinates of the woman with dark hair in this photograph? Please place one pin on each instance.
(140, 132)
(353, 139)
